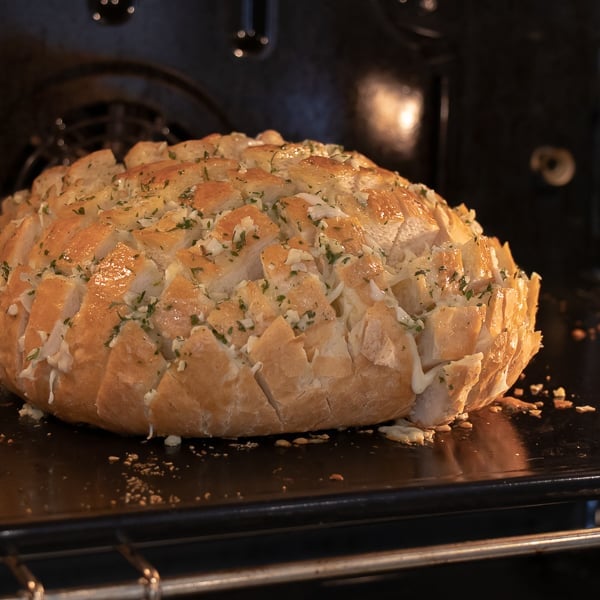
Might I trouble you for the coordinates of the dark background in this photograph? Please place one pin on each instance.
(492, 80)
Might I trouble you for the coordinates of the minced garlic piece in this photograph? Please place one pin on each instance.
(31, 411)
(173, 440)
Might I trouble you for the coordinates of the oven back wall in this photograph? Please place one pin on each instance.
(529, 112)
(494, 104)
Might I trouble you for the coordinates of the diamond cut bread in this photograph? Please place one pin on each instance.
(237, 286)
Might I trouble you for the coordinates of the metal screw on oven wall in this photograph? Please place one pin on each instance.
(111, 12)
(555, 165)
(429, 5)
(253, 36)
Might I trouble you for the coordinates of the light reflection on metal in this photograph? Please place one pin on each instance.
(111, 12)
(392, 111)
(253, 37)
(429, 5)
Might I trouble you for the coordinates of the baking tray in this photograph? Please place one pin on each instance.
(65, 485)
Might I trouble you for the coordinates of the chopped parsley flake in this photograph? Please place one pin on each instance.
(331, 255)
(5, 269)
(186, 223)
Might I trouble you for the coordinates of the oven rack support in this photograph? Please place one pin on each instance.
(150, 586)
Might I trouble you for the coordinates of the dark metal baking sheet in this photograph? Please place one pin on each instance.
(59, 478)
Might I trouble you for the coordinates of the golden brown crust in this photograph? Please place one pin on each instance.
(235, 286)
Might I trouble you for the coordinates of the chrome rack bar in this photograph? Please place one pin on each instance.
(33, 589)
(354, 565)
(150, 578)
(381, 562)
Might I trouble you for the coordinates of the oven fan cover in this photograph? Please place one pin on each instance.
(116, 125)
(105, 105)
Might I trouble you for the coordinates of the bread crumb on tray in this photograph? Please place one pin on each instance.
(27, 410)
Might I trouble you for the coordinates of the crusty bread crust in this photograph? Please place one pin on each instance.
(237, 286)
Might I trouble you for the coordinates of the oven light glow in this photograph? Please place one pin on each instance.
(392, 111)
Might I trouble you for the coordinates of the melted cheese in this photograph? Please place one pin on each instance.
(51, 382)
(375, 292)
(148, 397)
(324, 211)
(62, 360)
(405, 432)
(335, 292)
(420, 380)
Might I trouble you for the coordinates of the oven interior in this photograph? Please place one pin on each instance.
(494, 104)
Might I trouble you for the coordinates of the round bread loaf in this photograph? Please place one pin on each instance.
(239, 286)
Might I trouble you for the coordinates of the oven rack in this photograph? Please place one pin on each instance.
(147, 580)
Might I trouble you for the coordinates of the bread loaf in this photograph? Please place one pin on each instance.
(239, 286)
